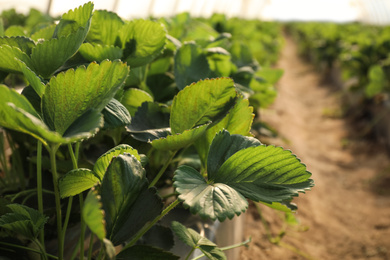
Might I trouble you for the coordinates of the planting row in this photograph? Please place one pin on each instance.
(137, 118)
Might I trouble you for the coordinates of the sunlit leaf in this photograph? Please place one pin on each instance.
(97, 52)
(10, 57)
(23, 43)
(93, 215)
(105, 27)
(77, 181)
(133, 98)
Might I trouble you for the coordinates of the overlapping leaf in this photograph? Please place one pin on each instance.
(104, 29)
(93, 215)
(77, 181)
(97, 52)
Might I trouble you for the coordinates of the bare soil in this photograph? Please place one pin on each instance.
(347, 214)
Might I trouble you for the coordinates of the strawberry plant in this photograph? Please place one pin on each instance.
(114, 141)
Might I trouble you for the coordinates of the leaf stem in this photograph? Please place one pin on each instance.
(190, 253)
(162, 170)
(52, 151)
(27, 249)
(39, 189)
(90, 246)
(41, 248)
(66, 221)
(82, 228)
(145, 228)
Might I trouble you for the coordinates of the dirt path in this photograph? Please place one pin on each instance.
(345, 217)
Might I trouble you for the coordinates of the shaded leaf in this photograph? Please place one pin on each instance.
(23, 43)
(149, 123)
(158, 236)
(115, 115)
(190, 65)
(77, 181)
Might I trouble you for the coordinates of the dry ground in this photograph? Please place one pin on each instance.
(346, 216)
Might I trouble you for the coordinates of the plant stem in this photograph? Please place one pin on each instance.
(162, 170)
(66, 221)
(41, 248)
(52, 151)
(82, 228)
(40, 189)
(90, 247)
(27, 249)
(228, 247)
(190, 253)
(145, 228)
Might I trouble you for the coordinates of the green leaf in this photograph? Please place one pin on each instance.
(48, 56)
(215, 201)
(237, 121)
(23, 220)
(127, 201)
(23, 43)
(105, 27)
(15, 30)
(97, 52)
(142, 41)
(70, 94)
(195, 240)
(45, 33)
(284, 207)
(270, 75)
(178, 141)
(93, 215)
(77, 181)
(35, 82)
(202, 102)
(219, 62)
(158, 236)
(191, 65)
(104, 161)
(150, 122)
(115, 115)
(133, 98)
(377, 81)
(73, 20)
(144, 252)
(10, 57)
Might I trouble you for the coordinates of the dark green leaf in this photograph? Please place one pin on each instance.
(144, 252)
(195, 240)
(191, 65)
(23, 220)
(77, 181)
(215, 201)
(158, 236)
(149, 123)
(115, 115)
(93, 215)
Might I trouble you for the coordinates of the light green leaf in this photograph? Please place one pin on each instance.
(77, 181)
(70, 94)
(202, 102)
(144, 252)
(270, 75)
(115, 115)
(104, 161)
(15, 30)
(285, 206)
(178, 141)
(219, 62)
(45, 33)
(73, 20)
(48, 56)
(195, 240)
(191, 65)
(105, 27)
(23, 220)
(23, 43)
(377, 81)
(142, 41)
(215, 201)
(127, 201)
(133, 98)
(237, 121)
(93, 215)
(10, 57)
(99, 52)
